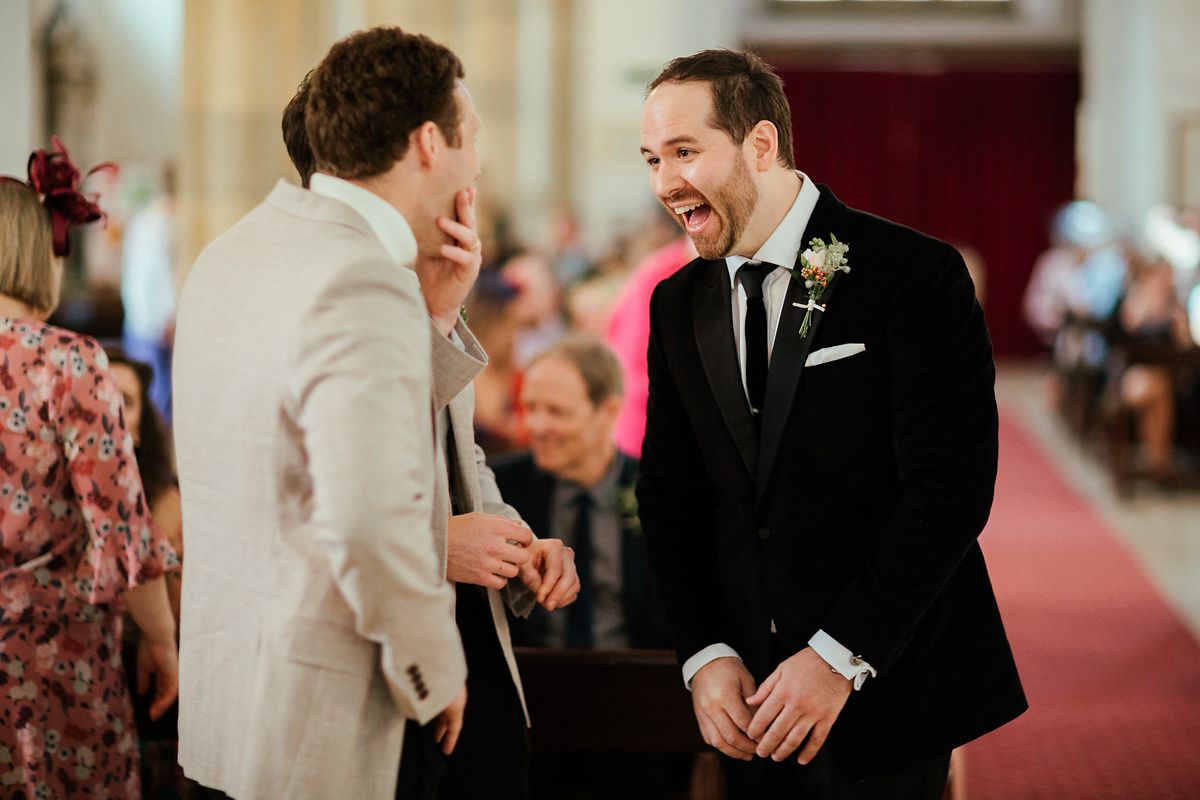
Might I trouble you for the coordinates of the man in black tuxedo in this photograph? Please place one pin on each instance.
(811, 503)
(575, 485)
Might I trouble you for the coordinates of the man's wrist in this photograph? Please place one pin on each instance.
(841, 660)
(444, 322)
(704, 658)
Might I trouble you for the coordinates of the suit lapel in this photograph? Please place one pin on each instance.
(790, 350)
(463, 462)
(712, 319)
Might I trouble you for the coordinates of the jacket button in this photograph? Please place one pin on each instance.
(764, 533)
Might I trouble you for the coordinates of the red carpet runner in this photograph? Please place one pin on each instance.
(1112, 674)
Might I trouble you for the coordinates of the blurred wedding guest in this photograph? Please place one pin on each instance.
(317, 620)
(1080, 276)
(77, 544)
(568, 252)
(1176, 235)
(1150, 313)
(148, 288)
(629, 335)
(590, 302)
(151, 444)
(157, 738)
(575, 485)
(491, 315)
(538, 306)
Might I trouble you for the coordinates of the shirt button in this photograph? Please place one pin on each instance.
(856, 661)
(764, 533)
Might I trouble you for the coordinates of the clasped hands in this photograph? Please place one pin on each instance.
(489, 550)
(800, 700)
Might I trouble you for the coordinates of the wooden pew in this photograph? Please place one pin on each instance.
(627, 701)
(630, 701)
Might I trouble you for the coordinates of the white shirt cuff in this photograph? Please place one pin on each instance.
(710, 653)
(847, 664)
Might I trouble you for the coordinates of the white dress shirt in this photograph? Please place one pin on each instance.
(783, 249)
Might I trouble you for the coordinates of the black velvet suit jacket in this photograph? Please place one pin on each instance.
(858, 508)
(530, 491)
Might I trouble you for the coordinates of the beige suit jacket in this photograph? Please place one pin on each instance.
(454, 368)
(316, 617)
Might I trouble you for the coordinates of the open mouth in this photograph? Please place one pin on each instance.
(695, 216)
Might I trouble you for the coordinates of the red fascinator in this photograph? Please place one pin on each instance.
(55, 179)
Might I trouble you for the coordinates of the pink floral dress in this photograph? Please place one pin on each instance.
(75, 533)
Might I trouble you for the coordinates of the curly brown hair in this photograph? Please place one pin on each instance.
(373, 89)
(745, 91)
(295, 138)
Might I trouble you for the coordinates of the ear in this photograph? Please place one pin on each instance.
(426, 141)
(610, 409)
(764, 145)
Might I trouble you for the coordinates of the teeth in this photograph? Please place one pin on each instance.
(686, 209)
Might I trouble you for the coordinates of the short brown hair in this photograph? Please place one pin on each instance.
(745, 91)
(596, 362)
(373, 89)
(295, 137)
(26, 248)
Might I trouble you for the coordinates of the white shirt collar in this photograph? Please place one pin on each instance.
(784, 244)
(388, 224)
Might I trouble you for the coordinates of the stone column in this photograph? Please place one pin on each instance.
(241, 64)
(16, 89)
(1141, 71)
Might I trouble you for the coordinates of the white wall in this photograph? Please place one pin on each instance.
(619, 46)
(139, 66)
(1023, 23)
(1141, 75)
(16, 87)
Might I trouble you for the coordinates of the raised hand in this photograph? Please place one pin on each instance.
(802, 696)
(448, 275)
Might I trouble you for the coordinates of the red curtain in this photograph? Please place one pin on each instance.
(978, 158)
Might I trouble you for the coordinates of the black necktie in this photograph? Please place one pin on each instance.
(754, 326)
(579, 613)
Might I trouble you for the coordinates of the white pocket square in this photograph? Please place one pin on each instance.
(827, 354)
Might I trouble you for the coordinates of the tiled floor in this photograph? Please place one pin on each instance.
(1161, 529)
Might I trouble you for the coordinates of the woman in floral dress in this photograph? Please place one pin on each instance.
(77, 545)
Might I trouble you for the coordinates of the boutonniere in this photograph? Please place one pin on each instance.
(819, 265)
(627, 508)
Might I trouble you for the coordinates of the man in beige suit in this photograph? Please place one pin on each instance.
(316, 617)
(484, 544)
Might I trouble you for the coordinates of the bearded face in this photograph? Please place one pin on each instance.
(716, 221)
(698, 172)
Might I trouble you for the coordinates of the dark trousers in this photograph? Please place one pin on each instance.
(492, 755)
(824, 780)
